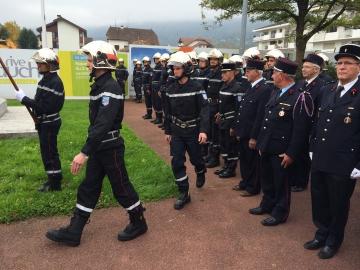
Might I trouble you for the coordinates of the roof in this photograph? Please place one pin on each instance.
(201, 41)
(132, 34)
(59, 18)
(270, 25)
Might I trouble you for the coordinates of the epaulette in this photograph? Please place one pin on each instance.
(326, 83)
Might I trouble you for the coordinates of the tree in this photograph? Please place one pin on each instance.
(309, 16)
(4, 33)
(27, 39)
(14, 30)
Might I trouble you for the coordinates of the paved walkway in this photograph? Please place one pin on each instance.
(214, 231)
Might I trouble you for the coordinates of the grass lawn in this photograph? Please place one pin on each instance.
(22, 171)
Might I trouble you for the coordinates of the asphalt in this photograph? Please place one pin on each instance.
(214, 231)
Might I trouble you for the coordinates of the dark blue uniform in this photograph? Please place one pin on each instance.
(326, 78)
(242, 81)
(145, 83)
(285, 129)
(121, 75)
(336, 154)
(155, 87)
(163, 81)
(249, 120)
(137, 82)
(269, 80)
(48, 102)
(301, 166)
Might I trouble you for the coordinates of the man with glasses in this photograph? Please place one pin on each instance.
(284, 131)
(311, 84)
(336, 158)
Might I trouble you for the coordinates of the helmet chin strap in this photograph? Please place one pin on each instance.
(92, 74)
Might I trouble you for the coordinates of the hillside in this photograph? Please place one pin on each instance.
(226, 36)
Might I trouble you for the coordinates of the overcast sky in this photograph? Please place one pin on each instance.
(85, 13)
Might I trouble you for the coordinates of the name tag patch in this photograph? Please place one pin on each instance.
(105, 101)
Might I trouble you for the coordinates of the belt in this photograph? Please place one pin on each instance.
(48, 118)
(145, 85)
(228, 115)
(213, 100)
(137, 79)
(155, 82)
(111, 136)
(185, 124)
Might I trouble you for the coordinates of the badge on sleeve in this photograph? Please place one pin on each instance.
(105, 101)
(204, 96)
(239, 98)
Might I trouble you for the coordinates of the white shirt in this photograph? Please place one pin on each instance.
(347, 87)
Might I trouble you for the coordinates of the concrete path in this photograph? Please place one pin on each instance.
(214, 231)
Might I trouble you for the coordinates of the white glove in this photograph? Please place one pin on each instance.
(310, 155)
(355, 174)
(19, 95)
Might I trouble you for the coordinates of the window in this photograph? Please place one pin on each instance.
(81, 34)
(331, 29)
(273, 42)
(273, 34)
(55, 44)
(81, 44)
(116, 47)
(54, 35)
(280, 30)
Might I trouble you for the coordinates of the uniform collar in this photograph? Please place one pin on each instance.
(102, 79)
(49, 77)
(257, 81)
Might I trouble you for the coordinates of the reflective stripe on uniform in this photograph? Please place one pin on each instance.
(107, 94)
(51, 172)
(89, 210)
(214, 80)
(51, 90)
(133, 206)
(186, 94)
(228, 93)
(182, 178)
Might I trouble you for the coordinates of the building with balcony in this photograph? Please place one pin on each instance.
(197, 42)
(64, 35)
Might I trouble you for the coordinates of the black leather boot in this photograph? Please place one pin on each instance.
(213, 162)
(200, 180)
(158, 119)
(161, 125)
(221, 170)
(227, 174)
(70, 234)
(207, 158)
(50, 186)
(147, 116)
(183, 199)
(136, 227)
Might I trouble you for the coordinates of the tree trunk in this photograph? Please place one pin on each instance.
(300, 51)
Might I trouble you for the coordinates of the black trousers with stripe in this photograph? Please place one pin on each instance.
(48, 133)
(276, 186)
(228, 148)
(108, 162)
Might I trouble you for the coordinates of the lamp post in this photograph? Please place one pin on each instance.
(43, 32)
(243, 27)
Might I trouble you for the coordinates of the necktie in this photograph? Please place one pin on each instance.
(338, 92)
(279, 94)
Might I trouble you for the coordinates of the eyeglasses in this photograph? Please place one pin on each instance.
(346, 63)
(307, 67)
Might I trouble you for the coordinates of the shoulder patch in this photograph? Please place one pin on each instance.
(239, 98)
(105, 101)
(204, 96)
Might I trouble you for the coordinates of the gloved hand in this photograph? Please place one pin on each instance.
(355, 174)
(19, 95)
(310, 155)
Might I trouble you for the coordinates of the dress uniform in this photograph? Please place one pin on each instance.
(186, 120)
(155, 88)
(214, 85)
(249, 120)
(325, 78)
(137, 82)
(47, 104)
(336, 153)
(229, 97)
(146, 86)
(121, 74)
(105, 150)
(284, 132)
(301, 167)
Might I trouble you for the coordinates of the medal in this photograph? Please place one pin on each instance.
(281, 113)
(347, 120)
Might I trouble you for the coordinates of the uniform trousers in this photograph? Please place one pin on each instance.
(228, 148)
(137, 87)
(148, 101)
(163, 98)
(178, 147)
(156, 100)
(330, 196)
(108, 162)
(122, 85)
(249, 167)
(275, 183)
(213, 138)
(48, 133)
(301, 168)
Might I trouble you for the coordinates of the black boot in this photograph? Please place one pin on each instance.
(50, 186)
(200, 179)
(161, 125)
(139, 101)
(136, 227)
(221, 170)
(228, 173)
(183, 199)
(147, 116)
(158, 119)
(207, 158)
(70, 234)
(213, 162)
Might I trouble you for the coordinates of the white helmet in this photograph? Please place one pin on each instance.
(226, 60)
(164, 57)
(146, 59)
(252, 53)
(237, 59)
(326, 60)
(274, 53)
(138, 62)
(46, 56)
(215, 53)
(103, 54)
(202, 56)
(180, 59)
(135, 60)
(121, 60)
(157, 55)
(192, 54)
